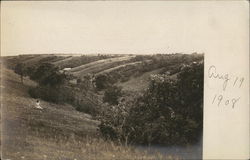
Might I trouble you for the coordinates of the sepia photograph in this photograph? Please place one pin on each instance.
(104, 80)
(102, 106)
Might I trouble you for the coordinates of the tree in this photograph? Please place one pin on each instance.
(101, 82)
(112, 94)
(114, 121)
(19, 69)
(50, 82)
(48, 75)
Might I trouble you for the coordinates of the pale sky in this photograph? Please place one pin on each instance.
(140, 27)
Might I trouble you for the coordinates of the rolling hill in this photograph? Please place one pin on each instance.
(127, 71)
(58, 132)
(24, 126)
(98, 66)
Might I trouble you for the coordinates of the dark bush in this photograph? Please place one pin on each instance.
(86, 108)
(112, 94)
(48, 75)
(101, 82)
(55, 95)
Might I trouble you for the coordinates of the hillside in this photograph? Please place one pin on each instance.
(58, 132)
(24, 126)
(127, 71)
(98, 66)
(89, 76)
(138, 83)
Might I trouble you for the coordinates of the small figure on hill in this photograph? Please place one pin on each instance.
(38, 104)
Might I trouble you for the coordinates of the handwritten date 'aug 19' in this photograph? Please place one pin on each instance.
(213, 74)
(220, 99)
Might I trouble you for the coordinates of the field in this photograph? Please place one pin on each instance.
(100, 65)
(61, 131)
(125, 69)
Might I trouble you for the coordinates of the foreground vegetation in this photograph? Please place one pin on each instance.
(169, 112)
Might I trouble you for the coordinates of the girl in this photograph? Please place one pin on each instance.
(38, 104)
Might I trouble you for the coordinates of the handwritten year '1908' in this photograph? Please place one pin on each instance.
(220, 100)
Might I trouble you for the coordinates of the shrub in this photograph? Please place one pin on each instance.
(112, 94)
(48, 75)
(20, 69)
(101, 82)
(48, 94)
(86, 108)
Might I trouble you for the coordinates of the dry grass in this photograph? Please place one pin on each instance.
(88, 149)
(76, 61)
(36, 59)
(57, 132)
(63, 61)
(120, 67)
(100, 65)
(136, 84)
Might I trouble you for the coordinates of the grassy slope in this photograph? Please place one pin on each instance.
(100, 65)
(50, 58)
(22, 120)
(84, 66)
(56, 132)
(61, 62)
(139, 83)
(76, 61)
(36, 59)
(119, 67)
